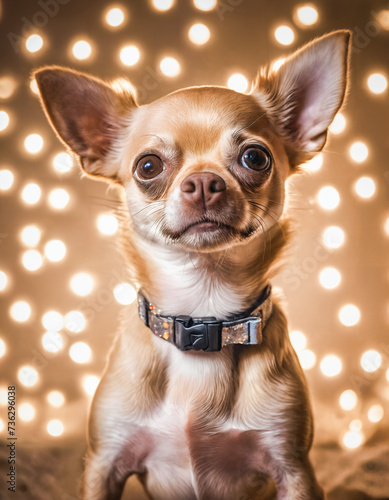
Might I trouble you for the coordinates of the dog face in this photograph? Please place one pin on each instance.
(203, 167)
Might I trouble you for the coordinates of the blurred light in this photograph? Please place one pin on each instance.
(284, 35)
(333, 237)
(377, 83)
(32, 260)
(90, 383)
(30, 236)
(307, 359)
(238, 82)
(199, 34)
(114, 17)
(328, 198)
(3, 280)
(124, 293)
(375, 413)
(33, 143)
(349, 315)
(34, 86)
(162, 5)
(355, 425)
(63, 162)
(52, 341)
(359, 151)
(353, 439)
(4, 120)
(28, 376)
(7, 87)
(278, 63)
(129, 55)
(387, 374)
(170, 66)
(107, 224)
(59, 198)
(338, 124)
(298, 340)
(31, 193)
(80, 352)
(329, 277)
(55, 250)
(1, 425)
(348, 400)
(205, 4)
(6, 179)
(371, 361)
(52, 321)
(55, 428)
(331, 365)
(82, 284)
(34, 43)
(56, 398)
(26, 412)
(365, 187)
(20, 311)
(75, 321)
(383, 19)
(386, 226)
(2, 348)
(82, 50)
(315, 164)
(306, 15)
(3, 396)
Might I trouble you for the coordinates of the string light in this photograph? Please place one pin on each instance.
(375, 413)
(338, 124)
(107, 224)
(90, 383)
(34, 43)
(129, 55)
(162, 5)
(82, 284)
(53, 321)
(382, 18)
(30, 235)
(31, 193)
(170, 66)
(55, 428)
(124, 293)
(328, 198)
(20, 311)
(75, 321)
(333, 237)
(7, 87)
(52, 341)
(359, 151)
(32, 260)
(63, 162)
(56, 398)
(80, 352)
(3, 280)
(33, 143)
(371, 360)
(34, 87)
(307, 359)
(284, 35)
(3, 348)
(331, 365)
(377, 83)
(205, 5)
(4, 120)
(349, 315)
(330, 278)
(59, 198)
(348, 400)
(55, 250)
(26, 412)
(365, 187)
(28, 376)
(82, 50)
(6, 179)
(115, 17)
(238, 83)
(353, 439)
(199, 34)
(298, 340)
(306, 15)
(386, 226)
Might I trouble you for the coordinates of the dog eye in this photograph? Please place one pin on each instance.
(149, 167)
(256, 158)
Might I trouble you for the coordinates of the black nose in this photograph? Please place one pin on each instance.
(204, 187)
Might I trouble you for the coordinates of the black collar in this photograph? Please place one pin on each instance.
(209, 334)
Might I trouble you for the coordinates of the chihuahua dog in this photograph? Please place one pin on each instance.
(203, 396)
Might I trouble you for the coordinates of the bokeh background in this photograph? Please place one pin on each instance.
(63, 283)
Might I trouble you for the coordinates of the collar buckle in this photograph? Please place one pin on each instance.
(189, 335)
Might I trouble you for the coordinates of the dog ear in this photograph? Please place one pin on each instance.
(88, 115)
(302, 97)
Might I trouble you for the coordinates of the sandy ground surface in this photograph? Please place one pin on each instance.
(55, 474)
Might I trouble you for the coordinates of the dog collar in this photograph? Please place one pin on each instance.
(208, 334)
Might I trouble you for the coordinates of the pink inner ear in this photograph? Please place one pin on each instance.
(96, 131)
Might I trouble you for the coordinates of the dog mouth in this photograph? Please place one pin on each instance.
(207, 226)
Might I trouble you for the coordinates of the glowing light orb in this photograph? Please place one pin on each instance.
(28, 376)
(330, 278)
(90, 383)
(59, 198)
(20, 311)
(353, 439)
(348, 400)
(365, 187)
(6, 179)
(55, 428)
(315, 164)
(124, 293)
(307, 359)
(114, 17)
(170, 66)
(284, 35)
(53, 321)
(3, 280)
(56, 398)
(34, 43)
(30, 235)
(75, 321)
(26, 412)
(52, 341)
(3, 348)
(377, 83)
(63, 162)
(31, 193)
(162, 5)
(375, 413)
(3, 396)
(338, 124)
(199, 34)
(82, 50)
(7, 87)
(307, 15)
(238, 83)
(55, 250)
(4, 120)
(298, 340)
(331, 365)
(82, 284)
(1, 425)
(386, 226)
(80, 352)
(205, 5)
(333, 237)
(129, 55)
(349, 315)
(359, 151)
(33, 143)
(371, 360)
(32, 260)
(383, 19)
(328, 198)
(34, 87)
(107, 224)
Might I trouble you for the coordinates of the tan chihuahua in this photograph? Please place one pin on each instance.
(203, 396)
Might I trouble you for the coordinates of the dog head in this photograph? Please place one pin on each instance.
(203, 167)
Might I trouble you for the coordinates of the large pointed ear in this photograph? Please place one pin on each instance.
(302, 97)
(88, 115)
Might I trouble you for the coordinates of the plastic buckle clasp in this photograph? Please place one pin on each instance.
(197, 336)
